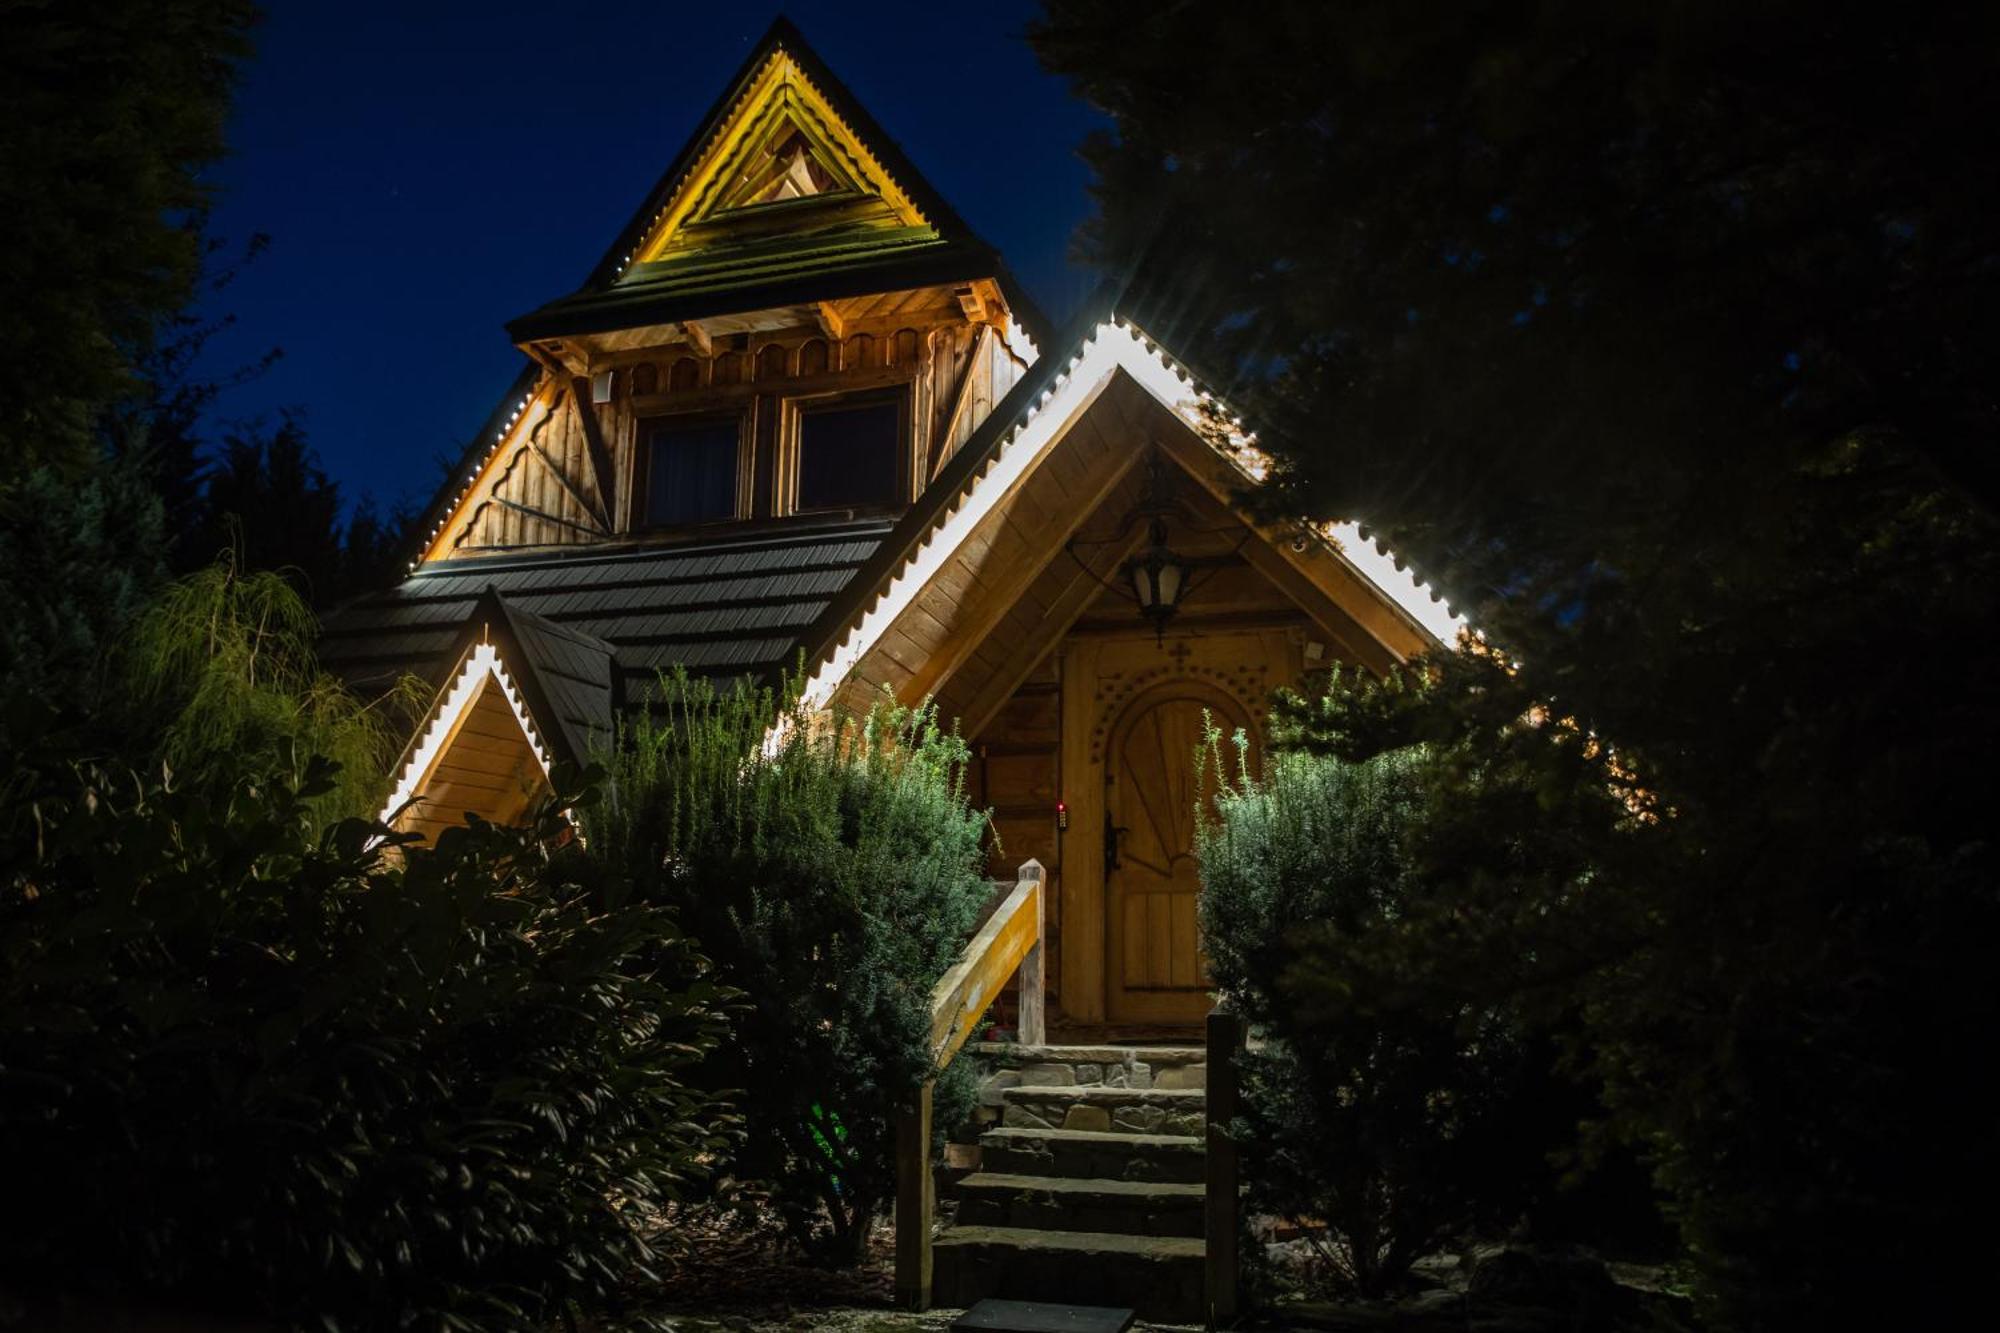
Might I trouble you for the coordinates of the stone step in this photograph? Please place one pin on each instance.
(1056, 1203)
(1011, 1052)
(1159, 1276)
(1088, 1066)
(1083, 1154)
(1177, 1111)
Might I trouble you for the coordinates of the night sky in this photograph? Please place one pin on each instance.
(427, 171)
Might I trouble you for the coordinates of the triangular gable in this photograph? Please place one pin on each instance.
(783, 83)
(1020, 437)
(783, 89)
(783, 141)
(523, 695)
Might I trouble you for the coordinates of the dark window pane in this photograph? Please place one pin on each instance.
(850, 455)
(691, 472)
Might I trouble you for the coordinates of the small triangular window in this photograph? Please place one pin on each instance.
(789, 170)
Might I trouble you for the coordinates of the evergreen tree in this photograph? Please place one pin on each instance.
(268, 502)
(1659, 336)
(108, 114)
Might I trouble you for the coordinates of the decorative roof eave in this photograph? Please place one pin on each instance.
(480, 663)
(779, 78)
(474, 471)
(783, 39)
(1050, 400)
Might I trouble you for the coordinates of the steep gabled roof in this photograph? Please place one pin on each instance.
(566, 675)
(878, 226)
(725, 607)
(1098, 342)
(825, 269)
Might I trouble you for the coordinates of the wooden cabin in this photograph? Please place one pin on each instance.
(800, 408)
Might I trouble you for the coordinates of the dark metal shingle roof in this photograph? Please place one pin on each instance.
(598, 626)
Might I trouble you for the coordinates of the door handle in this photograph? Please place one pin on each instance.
(1111, 832)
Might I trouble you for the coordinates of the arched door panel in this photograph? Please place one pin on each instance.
(1155, 972)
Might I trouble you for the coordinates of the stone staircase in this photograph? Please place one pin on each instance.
(1089, 1185)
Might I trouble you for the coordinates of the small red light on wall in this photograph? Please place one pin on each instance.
(1062, 816)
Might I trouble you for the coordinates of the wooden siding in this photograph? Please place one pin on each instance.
(564, 476)
(1027, 637)
(486, 768)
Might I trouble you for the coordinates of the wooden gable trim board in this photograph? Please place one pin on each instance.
(1113, 345)
(529, 411)
(480, 668)
(782, 47)
(782, 50)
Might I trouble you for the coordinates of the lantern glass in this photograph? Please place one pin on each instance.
(1169, 577)
(1142, 584)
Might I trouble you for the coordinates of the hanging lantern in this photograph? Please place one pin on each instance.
(1158, 578)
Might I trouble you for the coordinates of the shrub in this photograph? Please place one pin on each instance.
(320, 1080)
(1398, 1119)
(220, 670)
(833, 874)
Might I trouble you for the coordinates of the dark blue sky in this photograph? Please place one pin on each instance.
(426, 171)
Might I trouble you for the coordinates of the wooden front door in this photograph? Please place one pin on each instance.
(1154, 969)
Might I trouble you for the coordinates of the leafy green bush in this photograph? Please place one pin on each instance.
(220, 666)
(323, 1080)
(833, 874)
(1397, 1118)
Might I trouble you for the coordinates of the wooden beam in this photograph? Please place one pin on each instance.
(830, 321)
(593, 439)
(563, 482)
(547, 517)
(1014, 582)
(1032, 1030)
(1069, 604)
(915, 1201)
(1314, 577)
(1195, 622)
(698, 337)
(1012, 937)
(547, 360)
(963, 994)
(971, 302)
(941, 446)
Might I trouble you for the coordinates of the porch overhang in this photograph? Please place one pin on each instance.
(1402, 616)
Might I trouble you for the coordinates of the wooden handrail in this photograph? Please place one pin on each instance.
(1010, 935)
(1010, 940)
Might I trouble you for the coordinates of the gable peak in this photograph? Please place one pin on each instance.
(788, 136)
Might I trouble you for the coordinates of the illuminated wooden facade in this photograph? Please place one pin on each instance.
(800, 409)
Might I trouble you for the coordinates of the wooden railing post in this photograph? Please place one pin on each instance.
(1032, 1030)
(1010, 939)
(915, 1202)
(1222, 1202)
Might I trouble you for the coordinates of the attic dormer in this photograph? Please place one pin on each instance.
(793, 327)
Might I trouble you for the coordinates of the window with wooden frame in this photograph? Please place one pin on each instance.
(848, 451)
(690, 469)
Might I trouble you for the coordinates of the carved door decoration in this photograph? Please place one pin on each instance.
(1154, 969)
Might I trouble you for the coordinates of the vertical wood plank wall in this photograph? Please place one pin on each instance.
(545, 492)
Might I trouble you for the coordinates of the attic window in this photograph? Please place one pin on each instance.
(851, 453)
(690, 470)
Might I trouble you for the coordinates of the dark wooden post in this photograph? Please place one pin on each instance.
(1032, 1028)
(915, 1202)
(1222, 1201)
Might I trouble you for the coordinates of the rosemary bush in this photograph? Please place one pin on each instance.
(1395, 1118)
(833, 874)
